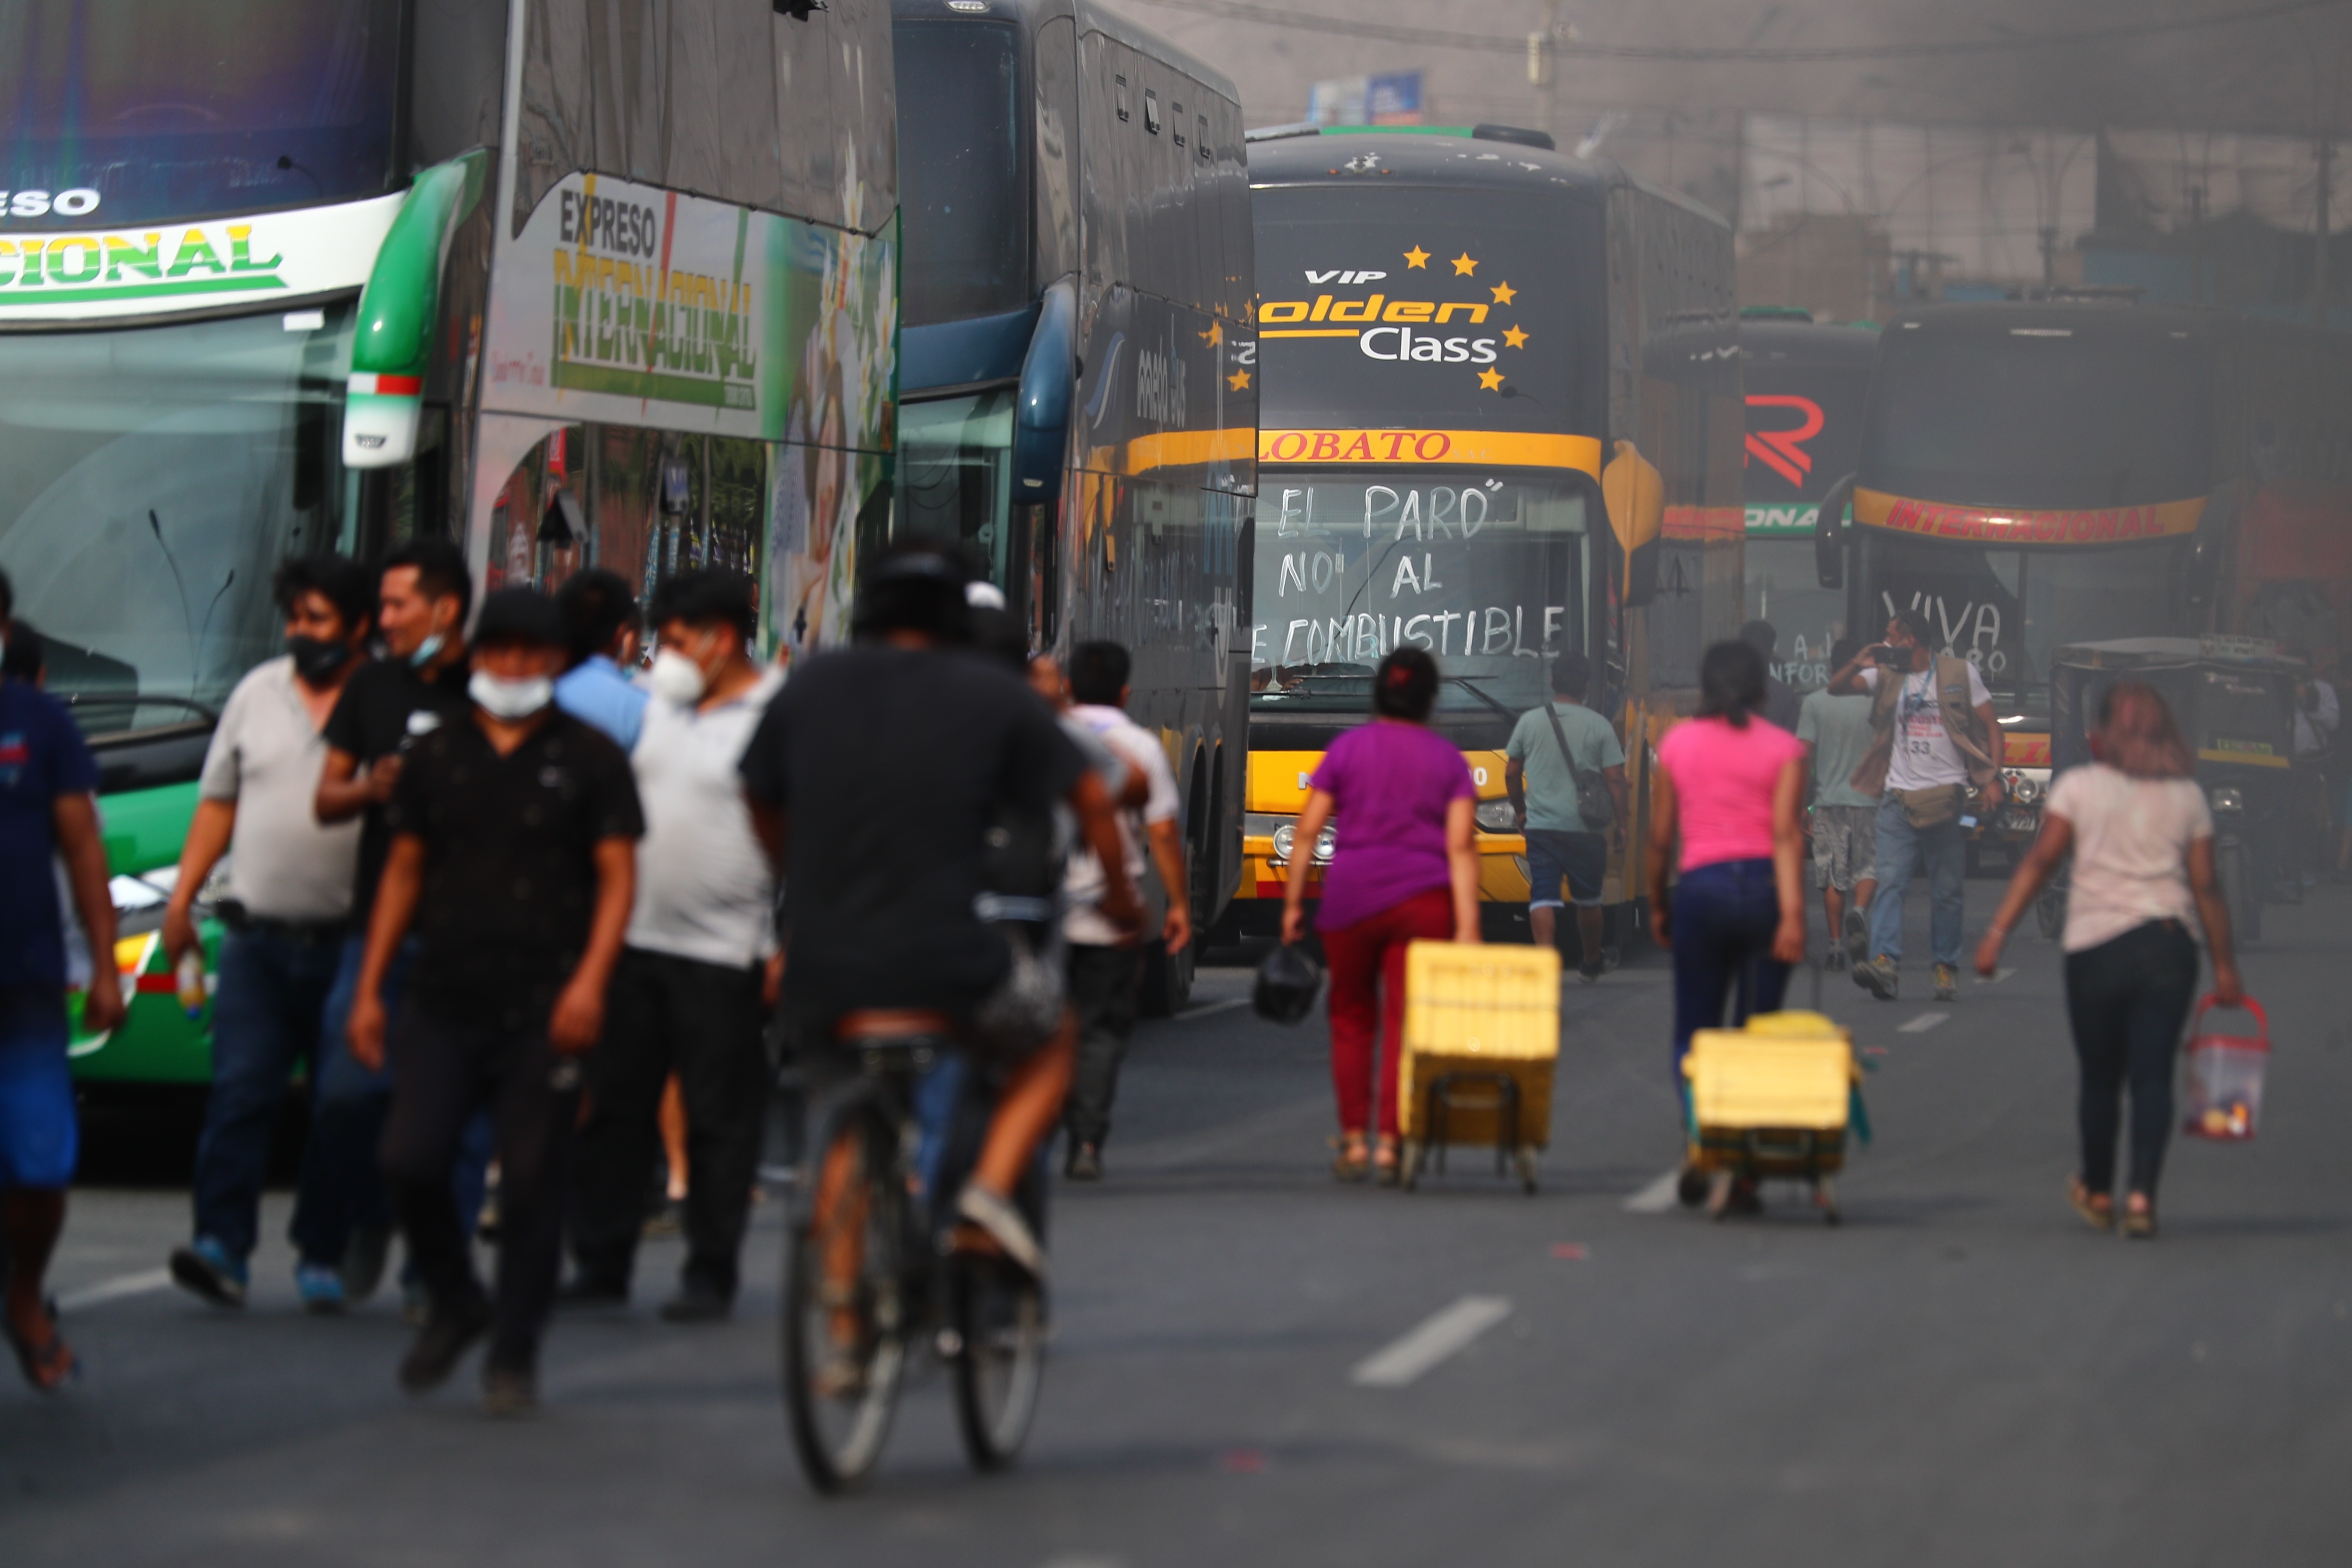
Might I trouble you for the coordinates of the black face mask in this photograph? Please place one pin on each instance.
(316, 659)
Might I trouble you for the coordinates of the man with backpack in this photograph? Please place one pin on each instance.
(1934, 741)
(1566, 779)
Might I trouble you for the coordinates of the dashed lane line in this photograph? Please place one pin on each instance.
(115, 1290)
(1443, 1335)
(1922, 1023)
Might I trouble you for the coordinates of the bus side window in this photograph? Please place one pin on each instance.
(1057, 150)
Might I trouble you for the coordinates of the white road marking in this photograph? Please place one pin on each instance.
(1658, 1196)
(1443, 1335)
(1205, 1009)
(1922, 1023)
(115, 1290)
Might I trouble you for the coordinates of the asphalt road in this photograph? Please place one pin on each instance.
(1961, 1375)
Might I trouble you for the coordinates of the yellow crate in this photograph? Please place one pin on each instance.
(1480, 1009)
(1771, 1079)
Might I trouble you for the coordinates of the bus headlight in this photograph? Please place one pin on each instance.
(1284, 838)
(1326, 843)
(2229, 798)
(1496, 816)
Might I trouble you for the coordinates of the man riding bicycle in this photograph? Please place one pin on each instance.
(877, 780)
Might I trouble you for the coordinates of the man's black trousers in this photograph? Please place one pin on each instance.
(1105, 990)
(701, 1021)
(442, 1070)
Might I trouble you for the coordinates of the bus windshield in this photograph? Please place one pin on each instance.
(2009, 611)
(1486, 572)
(1806, 618)
(955, 475)
(123, 112)
(150, 480)
(960, 186)
(2039, 417)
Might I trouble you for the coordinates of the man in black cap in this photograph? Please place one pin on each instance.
(514, 854)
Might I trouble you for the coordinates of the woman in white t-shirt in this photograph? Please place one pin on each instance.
(2143, 846)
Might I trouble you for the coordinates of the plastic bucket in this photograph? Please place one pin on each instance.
(2225, 1076)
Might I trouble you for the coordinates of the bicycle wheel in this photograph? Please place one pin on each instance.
(846, 1308)
(1000, 1321)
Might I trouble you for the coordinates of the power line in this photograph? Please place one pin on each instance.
(1272, 17)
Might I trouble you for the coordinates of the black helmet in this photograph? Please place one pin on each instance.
(1286, 984)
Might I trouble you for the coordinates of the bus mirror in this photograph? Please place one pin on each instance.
(1634, 493)
(1829, 534)
(1041, 426)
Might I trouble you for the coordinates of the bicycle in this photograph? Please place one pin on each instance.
(872, 1268)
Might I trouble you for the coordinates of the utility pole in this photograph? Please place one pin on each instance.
(2319, 231)
(1543, 66)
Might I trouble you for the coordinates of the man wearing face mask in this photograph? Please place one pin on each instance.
(513, 858)
(287, 909)
(700, 966)
(423, 595)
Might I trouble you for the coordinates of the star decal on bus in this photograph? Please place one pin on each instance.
(1490, 380)
(1504, 293)
(1463, 266)
(1238, 381)
(1214, 335)
(1417, 257)
(1516, 338)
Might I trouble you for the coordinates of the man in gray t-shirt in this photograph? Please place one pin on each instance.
(1836, 732)
(1563, 843)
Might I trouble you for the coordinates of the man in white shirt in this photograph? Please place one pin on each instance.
(1922, 771)
(1105, 970)
(2318, 716)
(287, 908)
(699, 970)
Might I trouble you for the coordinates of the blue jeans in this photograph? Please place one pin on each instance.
(347, 1127)
(1721, 923)
(266, 1022)
(1904, 851)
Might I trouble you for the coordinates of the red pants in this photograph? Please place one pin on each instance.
(1367, 957)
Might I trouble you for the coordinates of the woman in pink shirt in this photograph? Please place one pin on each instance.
(1732, 787)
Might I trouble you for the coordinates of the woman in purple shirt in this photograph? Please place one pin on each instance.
(1404, 869)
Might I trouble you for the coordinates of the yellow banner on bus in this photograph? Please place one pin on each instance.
(1496, 448)
(2093, 525)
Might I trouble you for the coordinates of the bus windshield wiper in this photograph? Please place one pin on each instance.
(136, 699)
(1469, 683)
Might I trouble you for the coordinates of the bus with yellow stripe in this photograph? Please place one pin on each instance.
(2038, 474)
(1501, 420)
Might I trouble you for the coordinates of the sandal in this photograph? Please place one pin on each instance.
(1352, 1163)
(2139, 1224)
(1387, 1169)
(49, 1367)
(2098, 1209)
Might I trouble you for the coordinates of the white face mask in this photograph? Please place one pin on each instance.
(675, 678)
(511, 699)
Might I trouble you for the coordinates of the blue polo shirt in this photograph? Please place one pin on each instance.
(594, 691)
(42, 757)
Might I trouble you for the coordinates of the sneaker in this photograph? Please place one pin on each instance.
(320, 1287)
(1878, 978)
(509, 1392)
(1592, 971)
(697, 1303)
(441, 1344)
(203, 1267)
(1948, 983)
(1611, 958)
(1857, 938)
(1085, 1164)
(668, 1220)
(1004, 1226)
(1833, 960)
(364, 1260)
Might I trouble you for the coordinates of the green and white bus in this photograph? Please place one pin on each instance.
(574, 281)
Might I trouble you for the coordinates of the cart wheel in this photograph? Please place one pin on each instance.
(1409, 1165)
(1718, 1196)
(1524, 1159)
(1825, 1199)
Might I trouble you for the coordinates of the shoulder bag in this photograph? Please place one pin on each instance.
(1594, 805)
